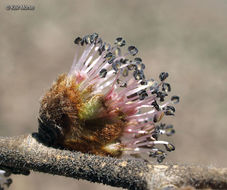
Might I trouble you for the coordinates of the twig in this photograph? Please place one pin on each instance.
(26, 153)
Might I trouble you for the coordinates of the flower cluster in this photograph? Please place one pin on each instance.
(105, 105)
(5, 181)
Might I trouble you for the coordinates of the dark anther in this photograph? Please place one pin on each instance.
(124, 85)
(143, 82)
(142, 94)
(125, 72)
(160, 159)
(155, 135)
(162, 99)
(100, 51)
(111, 60)
(121, 83)
(120, 42)
(124, 61)
(94, 37)
(140, 66)
(108, 56)
(82, 42)
(103, 73)
(87, 39)
(161, 95)
(166, 87)
(169, 147)
(77, 40)
(132, 50)
(107, 47)
(116, 65)
(103, 46)
(169, 131)
(99, 41)
(169, 110)
(163, 76)
(159, 154)
(155, 119)
(132, 95)
(156, 106)
(169, 127)
(132, 67)
(153, 90)
(162, 126)
(156, 153)
(175, 99)
(138, 60)
(138, 75)
(157, 129)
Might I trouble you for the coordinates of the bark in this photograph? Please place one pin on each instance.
(24, 153)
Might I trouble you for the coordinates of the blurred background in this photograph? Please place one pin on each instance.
(188, 39)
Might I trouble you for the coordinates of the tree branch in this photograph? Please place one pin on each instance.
(25, 153)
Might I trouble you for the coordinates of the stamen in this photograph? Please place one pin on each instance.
(127, 97)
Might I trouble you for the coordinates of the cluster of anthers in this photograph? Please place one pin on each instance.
(5, 181)
(105, 105)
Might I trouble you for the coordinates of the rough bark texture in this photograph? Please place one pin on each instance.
(24, 153)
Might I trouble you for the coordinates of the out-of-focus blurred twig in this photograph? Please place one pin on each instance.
(25, 153)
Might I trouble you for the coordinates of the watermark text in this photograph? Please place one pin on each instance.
(20, 7)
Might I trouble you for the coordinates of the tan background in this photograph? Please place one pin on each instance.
(186, 38)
